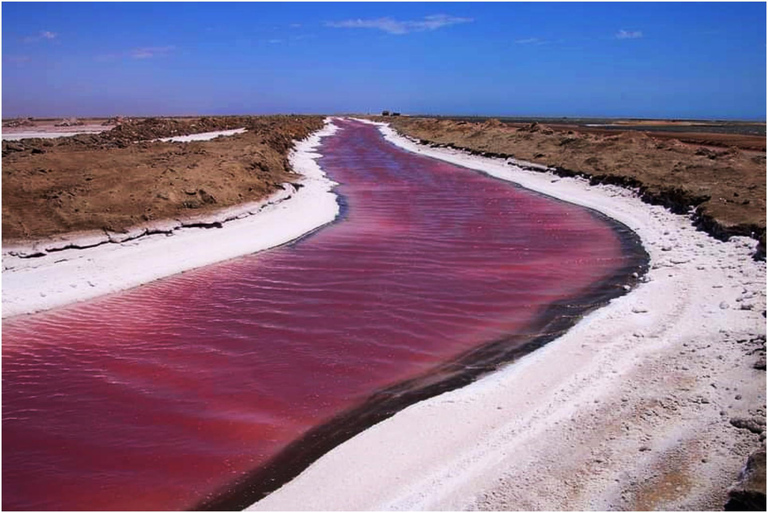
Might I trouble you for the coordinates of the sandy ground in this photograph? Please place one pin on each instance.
(752, 144)
(643, 405)
(70, 268)
(116, 180)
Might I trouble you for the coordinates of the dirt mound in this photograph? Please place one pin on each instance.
(673, 145)
(715, 154)
(19, 123)
(117, 179)
(155, 127)
(130, 131)
(537, 128)
(113, 121)
(70, 121)
(492, 123)
(632, 136)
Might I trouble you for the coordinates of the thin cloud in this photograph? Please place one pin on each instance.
(146, 52)
(275, 41)
(530, 40)
(150, 52)
(45, 35)
(629, 34)
(393, 26)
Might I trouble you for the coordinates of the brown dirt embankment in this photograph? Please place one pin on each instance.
(117, 179)
(725, 186)
(675, 131)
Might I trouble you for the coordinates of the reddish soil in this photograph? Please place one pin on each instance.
(117, 179)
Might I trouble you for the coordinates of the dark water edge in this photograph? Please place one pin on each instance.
(458, 372)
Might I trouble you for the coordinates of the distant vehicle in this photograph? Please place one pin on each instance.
(385, 113)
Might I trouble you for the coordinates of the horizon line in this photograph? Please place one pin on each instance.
(405, 114)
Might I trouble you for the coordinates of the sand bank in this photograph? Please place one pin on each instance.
(634, 408)
(50, 132)
(203, 136)
(69, 132)
(63, 270)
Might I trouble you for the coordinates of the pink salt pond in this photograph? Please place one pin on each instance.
(211, 388)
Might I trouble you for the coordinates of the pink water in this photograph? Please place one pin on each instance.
(156, 397)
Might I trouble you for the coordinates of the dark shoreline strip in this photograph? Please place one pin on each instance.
(462, 370)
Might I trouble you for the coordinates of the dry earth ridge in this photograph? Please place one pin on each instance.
(121, 178)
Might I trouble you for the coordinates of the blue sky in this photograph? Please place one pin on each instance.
(694, 60)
